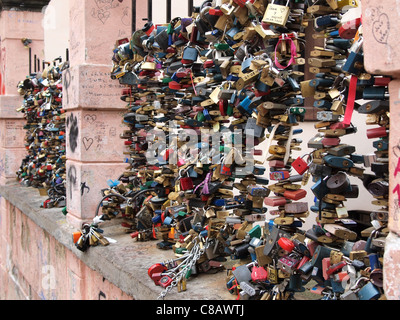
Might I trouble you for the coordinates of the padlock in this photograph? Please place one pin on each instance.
(259, 274)
(369, 292)
(186, 183)
(338, 183)
(288, 264)
(295, 195)
(279, 175)
(355, 61)
(338, 162)
(165, 281)
(190, 54)
(276, 14)
(296, 207)
(300, 165)
(272, 274)
(286, 244)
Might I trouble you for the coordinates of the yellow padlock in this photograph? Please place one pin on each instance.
(276, 14)
(148, 66)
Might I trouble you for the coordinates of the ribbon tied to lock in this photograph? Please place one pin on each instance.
(205, 190)
(293, 50)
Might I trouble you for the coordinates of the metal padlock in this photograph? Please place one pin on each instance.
(300, 165)
(253, 129)
(338, 162)
(288, 263)
(276, 14)
(369, 292)
(190, 54)
(272, 273)
(355, 61)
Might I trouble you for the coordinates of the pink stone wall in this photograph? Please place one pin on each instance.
(92, 101)
(82, 202)
(90, 86)
(380, 28)
(394, 159)
(14, 67)
(35, 266)
(96, 136)
(14, 57)
(381, 56)
(90, 40)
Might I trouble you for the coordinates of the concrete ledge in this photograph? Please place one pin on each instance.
(124, 263)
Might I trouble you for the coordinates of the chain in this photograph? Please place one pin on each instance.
(192, 257)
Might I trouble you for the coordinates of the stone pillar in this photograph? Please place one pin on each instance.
(381, 56)
(93, 104)
(15, 25)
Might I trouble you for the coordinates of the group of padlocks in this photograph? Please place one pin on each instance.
(206, 96)
(44, 165)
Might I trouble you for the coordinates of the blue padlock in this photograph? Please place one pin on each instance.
(374, 262)
(369, 292)
(207, 115)
(354, 63)
(192, 173)
(232, 78)
(375, 93)
(319, 82)
(190, 53)
(167, 221)
(381, 144)
(261, 86)
(246, 64)
(320, 189)
(323, 104)
(336, 286)
(338, 162)
(232, 32)
(324, 206)
(156, 219)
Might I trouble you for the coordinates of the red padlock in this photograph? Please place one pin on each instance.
(376, 133)
(275, 201)
(300, 165)
(303, 261)
(336, 267)
(134, 234)
(155, 272)
(183, 73)
(223, 105)
(286, 244)
(276, 164)
(259, 274)
(174, 85)
(330, 142)
(215, 12)
(208, 64)
(165, 281)
(186, 183)
(240, 3)
(382, 81)
(349, 29)
(279, 175)
(295, 194)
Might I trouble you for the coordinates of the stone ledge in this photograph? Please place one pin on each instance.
(124, 263)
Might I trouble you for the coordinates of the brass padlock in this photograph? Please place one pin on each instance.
(148, 66)
(277, 14)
